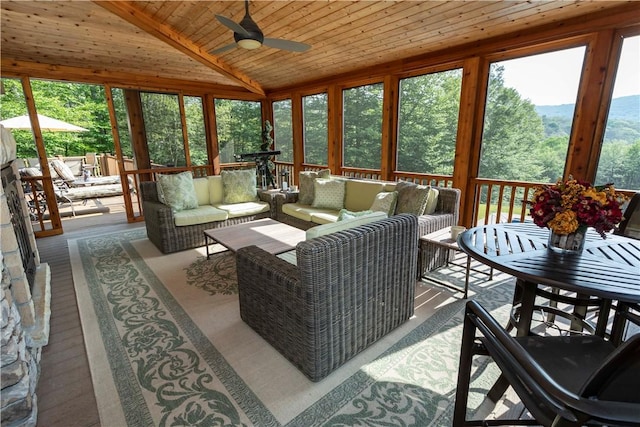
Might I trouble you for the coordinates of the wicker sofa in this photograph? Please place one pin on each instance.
(359, 195)
(176, 231)
(336, 302)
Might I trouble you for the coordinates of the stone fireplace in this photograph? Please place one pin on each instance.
(24, 297)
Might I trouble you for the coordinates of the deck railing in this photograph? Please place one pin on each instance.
(498, 201)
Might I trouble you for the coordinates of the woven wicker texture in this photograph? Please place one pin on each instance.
(349, 289)
(430, 257)
(161, 228)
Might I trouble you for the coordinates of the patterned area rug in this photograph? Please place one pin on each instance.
(167, 346)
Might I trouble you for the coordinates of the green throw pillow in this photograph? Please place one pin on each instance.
(239, 186)
(385, 201)
(306, 186)
(177, 190)
(345, 214)
(329, 194)
(412, 198)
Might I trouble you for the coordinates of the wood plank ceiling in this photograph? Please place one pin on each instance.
(173, 39)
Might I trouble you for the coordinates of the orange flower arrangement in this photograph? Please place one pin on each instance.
(573, 205)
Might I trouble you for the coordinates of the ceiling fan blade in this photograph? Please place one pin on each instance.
(236, 28)
(223, 49)
(286, 45)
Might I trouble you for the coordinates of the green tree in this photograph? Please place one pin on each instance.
(283, 130)
(513, 131)
(428, 122)
(315, 129)
(163, 128)
(362, 126)
(195, 130)
(239, 126)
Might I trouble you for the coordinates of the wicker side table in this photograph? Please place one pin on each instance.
(277, 196)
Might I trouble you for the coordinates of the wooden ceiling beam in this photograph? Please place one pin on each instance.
(135, 16)
(14, 68)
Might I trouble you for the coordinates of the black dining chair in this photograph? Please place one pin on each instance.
(562, 380)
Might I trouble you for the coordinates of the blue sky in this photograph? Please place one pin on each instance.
(552, 78)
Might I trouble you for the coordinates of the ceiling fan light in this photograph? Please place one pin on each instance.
(249, 44)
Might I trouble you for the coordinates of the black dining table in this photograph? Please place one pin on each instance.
(608, 268)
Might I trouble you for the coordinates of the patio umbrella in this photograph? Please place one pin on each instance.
(46, 124)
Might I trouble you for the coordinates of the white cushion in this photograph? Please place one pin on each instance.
(177, 191)
(385, 201)
(216, 190)
(244, 208)
(329, 194)
(199, 215)
(302, 211)
(201, 186)
(432, 201)
(306, 180)
(62, 170)
(239, 185)
(324, 216)
(321, 230)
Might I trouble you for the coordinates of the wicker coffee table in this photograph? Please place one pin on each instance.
(272, 236)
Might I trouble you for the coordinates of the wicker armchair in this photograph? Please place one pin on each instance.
(348, 290)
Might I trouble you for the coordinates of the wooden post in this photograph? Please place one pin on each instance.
(210, 126)
(469, 137)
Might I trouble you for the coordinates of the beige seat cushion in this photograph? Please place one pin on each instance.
(304, 212)
(321, 230)
(199, 215)
(243, 209)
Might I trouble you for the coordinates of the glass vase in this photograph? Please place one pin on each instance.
(567, 244)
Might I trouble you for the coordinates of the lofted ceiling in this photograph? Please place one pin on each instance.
(173, 39)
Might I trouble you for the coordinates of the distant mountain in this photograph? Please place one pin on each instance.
(623, 108)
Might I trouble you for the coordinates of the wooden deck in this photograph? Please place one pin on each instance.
(65, 391)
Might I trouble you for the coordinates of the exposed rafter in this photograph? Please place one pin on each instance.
(133, 15)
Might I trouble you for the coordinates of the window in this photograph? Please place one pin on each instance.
(620, 153)
(194, 115)
(428, 122)
(528, 116)
(283, 130)
(163, 128)
(239, 127)
(362, 126)
(80, 104)
(315, 116)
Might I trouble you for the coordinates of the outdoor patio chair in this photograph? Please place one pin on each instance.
(630, 225)
(72, 180)
(562, 381)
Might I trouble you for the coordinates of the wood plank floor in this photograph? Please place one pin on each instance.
(65, 391)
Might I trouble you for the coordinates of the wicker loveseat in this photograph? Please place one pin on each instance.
(360, 194)
(348, 290)
(176, 231)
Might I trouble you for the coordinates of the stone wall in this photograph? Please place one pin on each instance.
(24, 325)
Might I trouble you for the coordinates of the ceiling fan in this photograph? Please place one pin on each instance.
(247, 35)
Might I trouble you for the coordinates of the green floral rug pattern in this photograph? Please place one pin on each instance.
(168, 373)
(214, 276)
